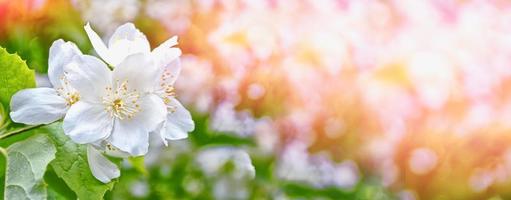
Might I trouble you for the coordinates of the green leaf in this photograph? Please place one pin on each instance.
(26, 164)
(3, 119)
(14, 76)
(3, 165)
(138, 164)
(57, 188)
(71, 166)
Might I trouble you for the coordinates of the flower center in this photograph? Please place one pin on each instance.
(167, 91)
(117, 105)
(67, 92)
(121, 102)
(73, 98)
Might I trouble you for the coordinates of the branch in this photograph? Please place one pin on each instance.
(20, 130)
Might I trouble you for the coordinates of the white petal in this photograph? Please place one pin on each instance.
(60, 54)
(127, 40)
(42, 80)
(89, 76)
(153, 112)
(165, 54)
(140, 72)
(174, 69)
(131, 135)
(173, 132)
(98, 44)
(167, 44)
(160, 131)
(167, 59)
(105, 147)
(37, 106)
(87, 123)
(178, 123)
(103, 169)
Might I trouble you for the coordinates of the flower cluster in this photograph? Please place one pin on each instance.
(112, 104)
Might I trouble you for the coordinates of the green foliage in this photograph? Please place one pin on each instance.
(179, 177)
(27, 46)
(71, 165)
(3, 165)
(3, 118)
(365, 189)
(32, 36)
(204, 136)
(14, 76)
(26, 164)
(138, 164)
(167, 181)
(57, 188)
(68, 175)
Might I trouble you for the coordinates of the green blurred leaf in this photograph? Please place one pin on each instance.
(374, 191)
(26, 164)
(71, 166)
(303, 190)
(14, 76)
(204, 136)
(138, 164)
(23, 41)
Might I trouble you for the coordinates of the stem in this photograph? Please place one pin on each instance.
(21, 130)
(5, 124)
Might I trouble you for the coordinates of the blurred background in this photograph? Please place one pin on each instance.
(312, 99)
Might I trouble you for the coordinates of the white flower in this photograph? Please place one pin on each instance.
(45, 105)
(179, 121)
(297, 164)
(212, 160)
(128, 40)
(232, 184)
(116, 106)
